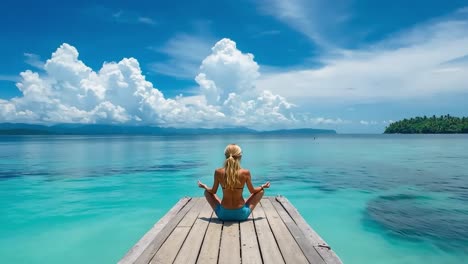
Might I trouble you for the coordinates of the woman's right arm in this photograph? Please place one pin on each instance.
(213, 189)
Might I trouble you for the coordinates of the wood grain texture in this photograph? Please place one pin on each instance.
(191, 233)
(325, 251)
(168, 251)
(288, 246)
(249, 245)
(229, 251)
(190, 249)
(305, 244)
(210, 247)
(144, 243)
(268, 247)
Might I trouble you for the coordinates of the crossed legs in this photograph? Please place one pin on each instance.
(252, 201)
(212, 199)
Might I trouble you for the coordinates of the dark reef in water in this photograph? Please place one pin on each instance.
(97, 171)
(419, 217)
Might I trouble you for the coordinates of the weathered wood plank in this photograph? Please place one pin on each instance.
(192, 215)
(147, 242)
(168, 251)
(210, 247)
(190, 232)
(268, 248)
(319, 244)
(149, 252)
(190, 249)
(249, 245)
(229, 251)
(306, 246)
(290, 250)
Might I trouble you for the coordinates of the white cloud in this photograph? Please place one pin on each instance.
(328, 121)
(146, 20)
(366, 123)
(71, 92)
(313, 18)
(68, 91)
(227, 80)
(184, 52)
(411, 64)
(118, 16)
(227, 70)
(10, 78)
(128, 17)
(34, 60)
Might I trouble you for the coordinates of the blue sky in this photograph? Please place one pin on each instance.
(353, 66)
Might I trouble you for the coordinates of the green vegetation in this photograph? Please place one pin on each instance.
(429, 125)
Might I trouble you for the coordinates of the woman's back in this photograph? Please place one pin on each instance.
(232, 198)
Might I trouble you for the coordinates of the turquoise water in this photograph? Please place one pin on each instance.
(373, 198)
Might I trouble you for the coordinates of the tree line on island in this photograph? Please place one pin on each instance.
(444, 124)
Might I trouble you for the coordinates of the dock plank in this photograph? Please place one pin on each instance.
(192, 215)
(290, 250)
(229, 251)
(192, 233)
(268, 248)
(318, 243)
(170, 248)
(306, 246)
(168, 251)
(210, 248)
(190, 249)
(249, 245)
(145, 248)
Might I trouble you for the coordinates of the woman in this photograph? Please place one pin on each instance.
(232, 179)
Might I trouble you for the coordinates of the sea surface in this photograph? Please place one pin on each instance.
(374, 198)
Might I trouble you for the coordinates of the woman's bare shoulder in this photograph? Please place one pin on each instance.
(245, 172)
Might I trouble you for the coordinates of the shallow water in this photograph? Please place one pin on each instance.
(373, 198)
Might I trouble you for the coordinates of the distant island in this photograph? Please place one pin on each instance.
(87, 129)
(429, 125)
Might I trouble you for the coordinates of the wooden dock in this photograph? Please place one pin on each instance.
(191, 233)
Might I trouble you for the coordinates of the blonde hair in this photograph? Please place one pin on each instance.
(233, 154)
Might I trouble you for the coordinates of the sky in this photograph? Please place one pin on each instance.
(352, 66)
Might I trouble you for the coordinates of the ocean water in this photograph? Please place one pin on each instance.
(374, 198)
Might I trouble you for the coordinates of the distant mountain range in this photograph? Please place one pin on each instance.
(84, 129)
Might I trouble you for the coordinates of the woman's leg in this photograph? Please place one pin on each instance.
(212, 199)
(254, 199)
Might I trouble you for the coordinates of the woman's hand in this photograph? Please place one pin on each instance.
(266, 185)
(201, 185)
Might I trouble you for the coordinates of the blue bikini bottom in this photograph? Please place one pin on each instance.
(240, 214)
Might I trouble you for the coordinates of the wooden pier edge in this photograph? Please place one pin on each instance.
(325, 251)
(180, 235)
(145, 243)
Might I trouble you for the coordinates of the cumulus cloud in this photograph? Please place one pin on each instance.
(68, 91)
(227, 80)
